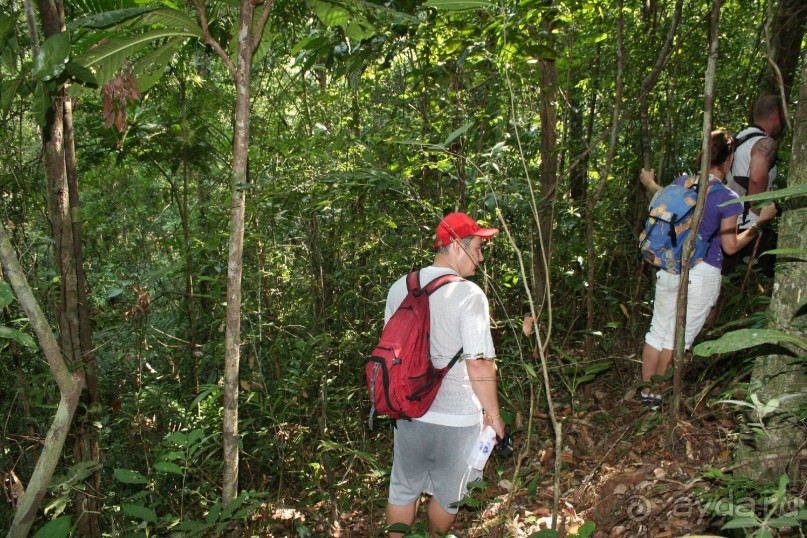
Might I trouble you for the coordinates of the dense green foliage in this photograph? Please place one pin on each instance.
(367, 126)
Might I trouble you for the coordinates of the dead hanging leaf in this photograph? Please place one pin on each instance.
(526, 328)
(117, 95)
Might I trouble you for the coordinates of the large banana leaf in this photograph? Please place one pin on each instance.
(108, 18)
(171, 18)
(108, 57)
(150, 68)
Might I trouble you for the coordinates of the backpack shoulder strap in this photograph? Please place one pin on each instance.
(441, 281)
(413, 282)
(750, 136)
(691, 182)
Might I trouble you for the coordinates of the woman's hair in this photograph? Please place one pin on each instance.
(721, 147)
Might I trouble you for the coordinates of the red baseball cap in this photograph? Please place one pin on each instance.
(459, 226)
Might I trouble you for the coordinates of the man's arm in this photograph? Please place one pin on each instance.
(482, 373)
(763, 155)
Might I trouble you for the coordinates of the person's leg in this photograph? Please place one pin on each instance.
(656, 354)
(400, 514)
(665, 358)
(650, 361)
(440, 521)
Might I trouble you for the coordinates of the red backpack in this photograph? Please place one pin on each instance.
(400, 375)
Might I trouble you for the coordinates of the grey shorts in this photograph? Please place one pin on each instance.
(429, 458)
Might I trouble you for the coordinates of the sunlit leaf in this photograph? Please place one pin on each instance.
(744, 339)
(172, 18)
(108, 18)
(330, 14)
(785, 252)
(459, 5)
(778, 194)
(151, 67)
(453, 136)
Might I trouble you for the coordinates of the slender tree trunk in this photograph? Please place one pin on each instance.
(681, 312)
(232, 337)
(70, 384)
(780, 450)
(548, 83)
(85, 444)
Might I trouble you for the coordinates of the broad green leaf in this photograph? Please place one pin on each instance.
(330, 14)
(313, 42)
(785, 252)
(745, 338)
(56, 528)
(139, 511)
(108, 57)
(784, 522)
(128, 476)
(7, 27)
(151, 67)
(6, 295)
(778, 194)
(40, 104)
(177, 438)
(108, 18)
(359, 30)
(80, 73)
(172, 18)
(459, 5)
(586, 529)
(168, 467)
(52, 57)
(741, 523)
(453, 136)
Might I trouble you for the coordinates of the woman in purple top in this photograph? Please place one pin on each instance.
(719, 224)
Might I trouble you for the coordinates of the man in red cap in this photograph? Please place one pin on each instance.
(430, 453)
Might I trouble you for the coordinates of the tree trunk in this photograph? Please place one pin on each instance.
(72, 317)
(548, 81)
(778, 451)
(788, 25)
(70, 384)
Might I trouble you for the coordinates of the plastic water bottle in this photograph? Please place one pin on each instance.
(482, 449)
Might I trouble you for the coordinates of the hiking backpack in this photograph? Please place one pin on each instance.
(672, 211)
(400, 375)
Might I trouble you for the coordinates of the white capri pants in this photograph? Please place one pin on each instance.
(704, 288)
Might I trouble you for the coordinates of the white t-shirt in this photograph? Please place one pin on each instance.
(460, 318)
